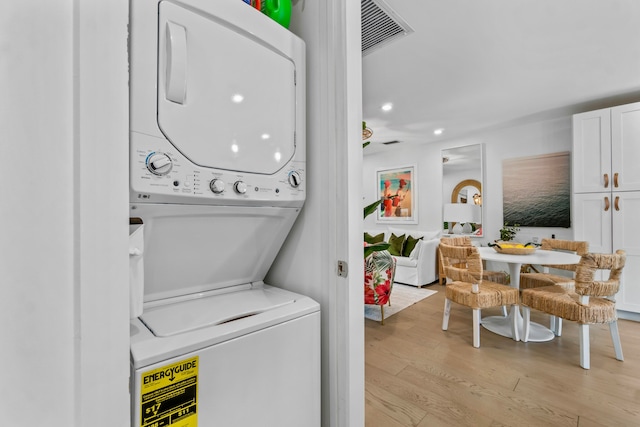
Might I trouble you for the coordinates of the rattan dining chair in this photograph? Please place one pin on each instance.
(492, 276)
(588, 304)
(463, 265)
(538, 279)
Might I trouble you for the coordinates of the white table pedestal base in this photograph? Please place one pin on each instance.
(502, 326)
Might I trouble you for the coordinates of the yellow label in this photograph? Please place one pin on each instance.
(169, 395)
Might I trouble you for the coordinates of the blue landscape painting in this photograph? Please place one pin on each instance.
(537, 191)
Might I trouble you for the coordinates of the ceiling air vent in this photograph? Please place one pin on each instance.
(380, 25)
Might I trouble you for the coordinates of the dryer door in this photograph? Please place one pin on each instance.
(226, 99)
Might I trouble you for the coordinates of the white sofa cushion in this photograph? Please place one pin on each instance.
(415, 253)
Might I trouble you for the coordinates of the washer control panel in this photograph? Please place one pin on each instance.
(159, 163)
(161, 174)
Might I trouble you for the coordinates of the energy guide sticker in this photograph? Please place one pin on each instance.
(169, 395)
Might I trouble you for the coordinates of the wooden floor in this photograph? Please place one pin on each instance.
(416, 374)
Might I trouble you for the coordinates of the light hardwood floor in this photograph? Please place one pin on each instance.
(416, 374)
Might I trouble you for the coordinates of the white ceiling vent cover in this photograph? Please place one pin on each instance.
(380, 25)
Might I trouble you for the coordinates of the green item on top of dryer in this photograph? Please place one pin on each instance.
(278, 10)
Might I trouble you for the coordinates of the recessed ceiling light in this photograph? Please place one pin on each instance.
(438, 131)
(387, 107)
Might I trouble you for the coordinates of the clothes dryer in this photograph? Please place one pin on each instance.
(217, 179)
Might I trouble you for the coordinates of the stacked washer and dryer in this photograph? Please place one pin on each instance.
(217, 177)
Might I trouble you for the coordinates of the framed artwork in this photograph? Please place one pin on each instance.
(397, 190)
(536, 191)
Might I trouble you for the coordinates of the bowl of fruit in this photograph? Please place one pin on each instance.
(513, 248)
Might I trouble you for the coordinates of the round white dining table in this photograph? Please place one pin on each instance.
(502, 325)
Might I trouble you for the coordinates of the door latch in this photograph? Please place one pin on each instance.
(343, 269)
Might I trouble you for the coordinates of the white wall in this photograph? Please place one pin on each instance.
(542, 137)
(329, 227)
(63, 210)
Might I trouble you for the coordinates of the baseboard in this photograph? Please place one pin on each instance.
(628, 315)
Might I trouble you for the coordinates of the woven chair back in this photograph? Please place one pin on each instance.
(586, 272)
(461, 263)
(456, 241)
(579, 247)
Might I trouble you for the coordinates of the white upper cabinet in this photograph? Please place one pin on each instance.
(625, 147)
(591, 151)
(606, 148)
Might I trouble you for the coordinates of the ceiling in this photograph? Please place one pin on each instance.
(474, 65)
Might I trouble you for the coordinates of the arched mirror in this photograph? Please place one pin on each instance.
(467, 191)
(462, 190)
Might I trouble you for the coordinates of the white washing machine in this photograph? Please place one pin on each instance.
(217, 177)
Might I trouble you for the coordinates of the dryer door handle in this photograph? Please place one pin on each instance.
(176, 68)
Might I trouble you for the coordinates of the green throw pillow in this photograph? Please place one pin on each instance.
(409, 245)
(396, 243)
(378, 238)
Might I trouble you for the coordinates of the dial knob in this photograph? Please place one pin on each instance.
(294, 179)
(159, 164)
(216, 185)
(240, 187)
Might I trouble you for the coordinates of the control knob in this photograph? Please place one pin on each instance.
(294, 179)
(217, 185)
(240, 187)
(159, 164)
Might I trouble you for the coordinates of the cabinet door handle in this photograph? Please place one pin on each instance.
(616, 203)
(615, 179)
(606, 180)
(606, 204)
